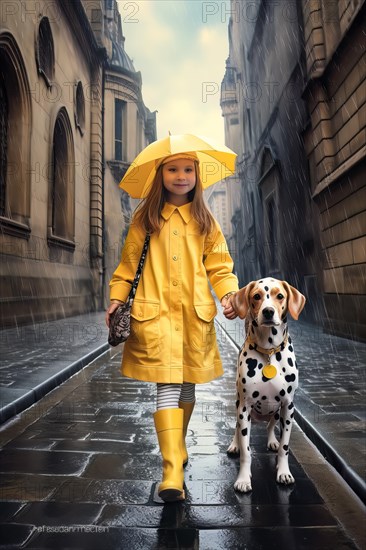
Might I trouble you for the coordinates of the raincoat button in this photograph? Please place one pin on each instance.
(175, 283)
(175, 258)
(175, 232)
(176, 327)
(140, 313)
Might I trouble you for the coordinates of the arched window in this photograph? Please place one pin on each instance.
(4, 115)
(62, 187)
(15, 128)
(80, 107)
(45, 52)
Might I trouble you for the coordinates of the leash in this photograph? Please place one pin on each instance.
(269, 371)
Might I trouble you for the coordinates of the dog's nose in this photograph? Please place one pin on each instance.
(268, 312)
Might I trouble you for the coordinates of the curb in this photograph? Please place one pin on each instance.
(355, 482)
(34, 395)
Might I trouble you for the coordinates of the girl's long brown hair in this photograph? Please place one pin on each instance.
(148, 212)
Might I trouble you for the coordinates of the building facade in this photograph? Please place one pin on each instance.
(279, 225)
(55, 59)
(335, 143)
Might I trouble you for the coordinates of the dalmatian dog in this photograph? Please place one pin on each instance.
(267, 372)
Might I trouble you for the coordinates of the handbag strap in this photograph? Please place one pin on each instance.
(140, 266)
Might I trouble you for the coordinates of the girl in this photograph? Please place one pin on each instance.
(173, 340)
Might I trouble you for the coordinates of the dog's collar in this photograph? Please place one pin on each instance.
(265, 351)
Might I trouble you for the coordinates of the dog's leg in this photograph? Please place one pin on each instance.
(272, 442)
(283, 471)
(233, 448)
(243, 482)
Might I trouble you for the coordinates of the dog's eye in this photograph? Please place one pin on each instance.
(257, 296)
(280, 296)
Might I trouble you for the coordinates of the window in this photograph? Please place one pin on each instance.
(15, 131)
(45, 54)
(61, 200)
(4, 115)
(119, 126)
(80, 108)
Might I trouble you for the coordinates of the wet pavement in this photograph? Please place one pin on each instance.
(79, 469)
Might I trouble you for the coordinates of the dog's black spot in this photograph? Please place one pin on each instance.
(266, 288)
(270, 340)
(252, 363)
(241, 362)
(267, 296)
(248, 449)
(278, 356)
(237, 403)
(283, 369)
(282, 346)
(248, 417)
(244, 409)
(255, 394)
(282, 422)
(282, 392)
(290, 378)
(277, 398)
(251, 347)
(289, 338)
(290, 362)
(285, 321)
(289, 389)
(264, 379)
(274, 331)
(243, 380)
(244, 390)
(254, 323)
(244, 432)
(260, 365)
(245, 354)
(264, 397)
(291, 348)
(261, 281)
(241, 416)
(288, 422)
(296, 364)
(287, 453)
(277, 416)
(292, 415)
(291, 405)
(285, 447)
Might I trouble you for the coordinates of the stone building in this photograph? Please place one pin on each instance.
(56, 59)
(335, 142)
(279, 221)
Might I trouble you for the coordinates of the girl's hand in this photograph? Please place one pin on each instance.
(229, 311)
(112, 308)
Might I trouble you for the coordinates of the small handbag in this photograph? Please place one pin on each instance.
(120, 322)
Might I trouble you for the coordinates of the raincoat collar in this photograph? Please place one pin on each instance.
(184, 211)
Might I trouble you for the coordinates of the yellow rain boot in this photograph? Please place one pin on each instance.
(188, 409)
(169, 428)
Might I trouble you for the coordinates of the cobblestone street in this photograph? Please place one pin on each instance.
(79, 470)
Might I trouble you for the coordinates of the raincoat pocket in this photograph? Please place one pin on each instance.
(145, 317)
(203, 329)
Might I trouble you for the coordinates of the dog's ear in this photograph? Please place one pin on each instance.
(295, 300)
(240, 300)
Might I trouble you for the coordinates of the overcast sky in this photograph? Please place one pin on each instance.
(180, 47)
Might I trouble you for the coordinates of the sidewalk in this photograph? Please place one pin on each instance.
(80, 470)
(330, 401)
(37, 358)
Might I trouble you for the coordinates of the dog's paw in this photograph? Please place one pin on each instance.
(233, 449)
(286, 478)
(243, 486)
(273, 445)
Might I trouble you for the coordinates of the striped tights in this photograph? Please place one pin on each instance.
(168, 395)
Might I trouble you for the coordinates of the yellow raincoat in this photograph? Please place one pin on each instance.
(173, 338)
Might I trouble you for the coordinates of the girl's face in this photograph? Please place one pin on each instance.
(179, 178)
